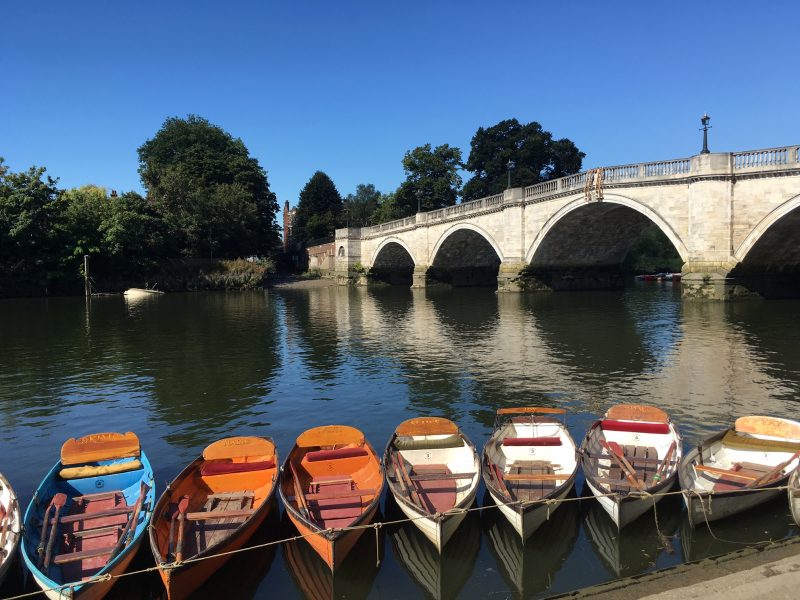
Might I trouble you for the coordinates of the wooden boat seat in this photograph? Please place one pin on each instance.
(226, 468)
(643, 459)
(525, 489)
(532, 441)
(334, 501)
(434, 486)
(738, 476)
(222, 513)
(522, 420)
(350, 452)
(637, 412)
(634, 426)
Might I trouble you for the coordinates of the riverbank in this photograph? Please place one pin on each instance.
(298, 282)
(770, 571)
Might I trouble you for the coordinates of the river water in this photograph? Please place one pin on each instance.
(182, 370)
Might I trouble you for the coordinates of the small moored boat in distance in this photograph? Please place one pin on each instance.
(88, 516)
(10, 526)
(134, 293)
(629, 458)
(739, 468)
(433, 472)
(332, 478)
(529, 459)
(213, 507)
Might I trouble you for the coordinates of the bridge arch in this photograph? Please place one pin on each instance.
(764, 226)
(615, 199)
(465, 255)
(392, 240)
(451, 230)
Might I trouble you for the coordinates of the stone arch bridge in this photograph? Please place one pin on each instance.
(734, 219)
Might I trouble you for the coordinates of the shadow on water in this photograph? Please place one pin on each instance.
(442, 576)
(352, 580)
(638, 547)
(530, 568)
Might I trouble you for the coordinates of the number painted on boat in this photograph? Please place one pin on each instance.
(427, 455)
(99, 483)
(532, 451)
(636, 437)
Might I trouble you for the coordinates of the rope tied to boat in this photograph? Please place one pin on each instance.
(377, 528)
(379, 525)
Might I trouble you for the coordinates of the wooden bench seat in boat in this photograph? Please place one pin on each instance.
(740, 475)
(334, 501)
(435, 486)
(531, 479)
(634, 426)
(210, 468)
(644, 460)
(221, 513)
(320, 455)
(744, 442)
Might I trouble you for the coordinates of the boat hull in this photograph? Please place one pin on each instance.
(10, 505)
(794, 495)
(526, 520)
(53, 484)
(180, 582)
(437, 528)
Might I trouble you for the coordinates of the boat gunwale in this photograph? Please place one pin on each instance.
(73, 588)
(523, 508)
(339, 532)
(184, 474)
(439, 517)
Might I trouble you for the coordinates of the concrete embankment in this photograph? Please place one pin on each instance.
(771, 571)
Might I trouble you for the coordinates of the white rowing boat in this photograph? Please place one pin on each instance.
(529, 460)
(10, 526)
(629, 458)
(134, 293)
(433, 472)
(739, 468)
(794, 495)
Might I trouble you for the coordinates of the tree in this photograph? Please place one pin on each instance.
(387, 209)
(361, 206)
(213, 196)
(432, 179)
(31, 224)
(319, 210)
(536, 156)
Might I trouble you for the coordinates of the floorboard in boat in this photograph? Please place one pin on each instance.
(206, 533)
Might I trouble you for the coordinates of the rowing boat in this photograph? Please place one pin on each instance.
(212, 508)
(433, 473)
(739, 468)
(88, 516)
(794, 495)
(332, 479)
(10, 522)
(529, 460)
(629, 458)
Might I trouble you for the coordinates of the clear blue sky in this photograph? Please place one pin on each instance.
(348, 87)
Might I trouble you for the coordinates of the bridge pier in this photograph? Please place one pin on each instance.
(708, 280)
(419, 279)
(511, 277)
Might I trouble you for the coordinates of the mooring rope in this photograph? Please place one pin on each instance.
(548, 502)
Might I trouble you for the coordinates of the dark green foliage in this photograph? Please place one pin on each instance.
(319, 211)
(213, 197)
(31, 225)
(432, 179)
(387, 209)
(536, 156)
(653, 253)
(361, 206)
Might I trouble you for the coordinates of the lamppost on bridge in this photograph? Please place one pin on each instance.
(510, 165)
(704, 120)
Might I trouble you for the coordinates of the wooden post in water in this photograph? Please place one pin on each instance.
(86, 287)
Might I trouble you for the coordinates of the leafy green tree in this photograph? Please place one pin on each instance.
(387, 209)
(361, 206)
(319, 210)
(213, 196)
(132, 235)
(432, 179)
(536, 156)
(652, 252)
(31, 224)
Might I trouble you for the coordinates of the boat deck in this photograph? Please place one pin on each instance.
(221, 515)
(531, 489)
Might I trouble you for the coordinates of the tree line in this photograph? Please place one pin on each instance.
(205, 196)
(525, 153)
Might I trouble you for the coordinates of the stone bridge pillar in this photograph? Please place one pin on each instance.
(420, 277)
(510, 277)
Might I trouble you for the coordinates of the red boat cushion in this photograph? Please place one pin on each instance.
(224, 468)
(634, 426)
(318, 455)
(532, 441)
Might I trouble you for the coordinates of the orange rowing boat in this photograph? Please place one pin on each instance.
(214, 506)
(332, 480)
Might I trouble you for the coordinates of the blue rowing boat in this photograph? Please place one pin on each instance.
(88, 516)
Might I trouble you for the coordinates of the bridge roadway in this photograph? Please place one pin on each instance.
(732, 217)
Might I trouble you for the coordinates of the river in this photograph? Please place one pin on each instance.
(182, 370)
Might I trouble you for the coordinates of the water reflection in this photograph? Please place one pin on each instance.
(186, 369)
(530, 568)
(638, 547)
(443, 576)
